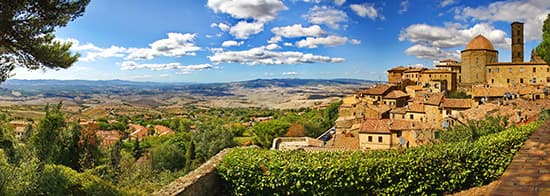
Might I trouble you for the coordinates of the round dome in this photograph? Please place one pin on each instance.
(480, 42)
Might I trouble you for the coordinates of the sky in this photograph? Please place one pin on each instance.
(236, 40)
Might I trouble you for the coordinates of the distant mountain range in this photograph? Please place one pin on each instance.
(70, 88)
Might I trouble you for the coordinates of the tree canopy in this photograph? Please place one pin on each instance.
(27, 34)
(543, 49)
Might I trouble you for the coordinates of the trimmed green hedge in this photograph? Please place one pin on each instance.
(434, 168)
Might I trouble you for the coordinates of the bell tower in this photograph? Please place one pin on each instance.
(517, 42)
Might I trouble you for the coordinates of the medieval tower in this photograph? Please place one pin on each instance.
(517, 42)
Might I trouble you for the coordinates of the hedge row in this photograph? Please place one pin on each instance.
(434, 168)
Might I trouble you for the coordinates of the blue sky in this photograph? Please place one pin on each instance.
(235, 40)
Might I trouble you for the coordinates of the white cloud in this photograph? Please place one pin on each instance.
(403, 6)
(272, 47)
(297, 30)
(287, 44)
(431, 52)
(230, 43)
(260, 55)
(275, 39)
(290, 73)
(355, 41)
(532, 12)
(445, 3)
(91, 52)
(243, 29)
(326, 15)
(339, 2)
(221, 26)
(365, 10)
(453, 35)
(176, 45)
(312, 42)
(259, 10)
(131, 65)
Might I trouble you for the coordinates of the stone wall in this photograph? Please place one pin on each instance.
(201, 181)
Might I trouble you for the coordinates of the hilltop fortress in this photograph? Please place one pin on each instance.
(479, 68)
(418, 102)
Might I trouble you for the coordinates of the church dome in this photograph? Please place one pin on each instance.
(480, 42)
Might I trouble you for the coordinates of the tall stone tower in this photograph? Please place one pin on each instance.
(478, 53)
(517, 42)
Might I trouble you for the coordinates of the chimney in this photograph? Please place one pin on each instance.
(517, 42)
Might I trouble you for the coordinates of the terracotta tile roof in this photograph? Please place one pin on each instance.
(163, 130)
(346, 141)
(380, 108)
(108, 138)
(388, 125)
(380, 89)
(398, 69)
(417, 107)
(138, 131)
(437, 71)
(484, 91)
(449, 60)
(433, 98)
(414, 87)
(456, 103)
(419, 69)
(401, 110)
(395, 94)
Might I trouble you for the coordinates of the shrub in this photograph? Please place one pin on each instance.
(474, 129)
(433, 168)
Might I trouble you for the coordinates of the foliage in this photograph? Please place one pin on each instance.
(544, 115)
(433, 168)
(61, 180)
(47, 138)
(265, 132)
(474, 129)
(27, 34)
(458, 95)
(543, 49)
(209, 140)
(168, 156)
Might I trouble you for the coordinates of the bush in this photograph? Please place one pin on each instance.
(62, 180)
(474, 129)
(433, 168)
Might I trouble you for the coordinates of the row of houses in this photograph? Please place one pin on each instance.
(385, 116)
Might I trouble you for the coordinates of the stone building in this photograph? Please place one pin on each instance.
(478, 53)
(391, 134)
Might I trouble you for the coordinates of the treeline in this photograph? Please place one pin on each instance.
(130, 166)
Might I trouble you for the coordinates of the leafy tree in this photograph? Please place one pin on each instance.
(136, 149)
(70, 152)
(265, 132)
(27, 34)
(543, 49)
(115, 155)
(47, 139)
(168, 156)
(209, 140)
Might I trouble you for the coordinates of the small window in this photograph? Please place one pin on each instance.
(519, 53)
(492, 81)
(411, 117)
(380, 139)
(370, 138)
(489, 70)
(547, 79)
(534, 80)
(497, 70)
(547, 69)
(436, 135)
(521, 69)
(399, 133)
(534, 69)
(508, 80)
(521, 80)
(509, 70)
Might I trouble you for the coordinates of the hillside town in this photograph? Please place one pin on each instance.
(417, 103)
